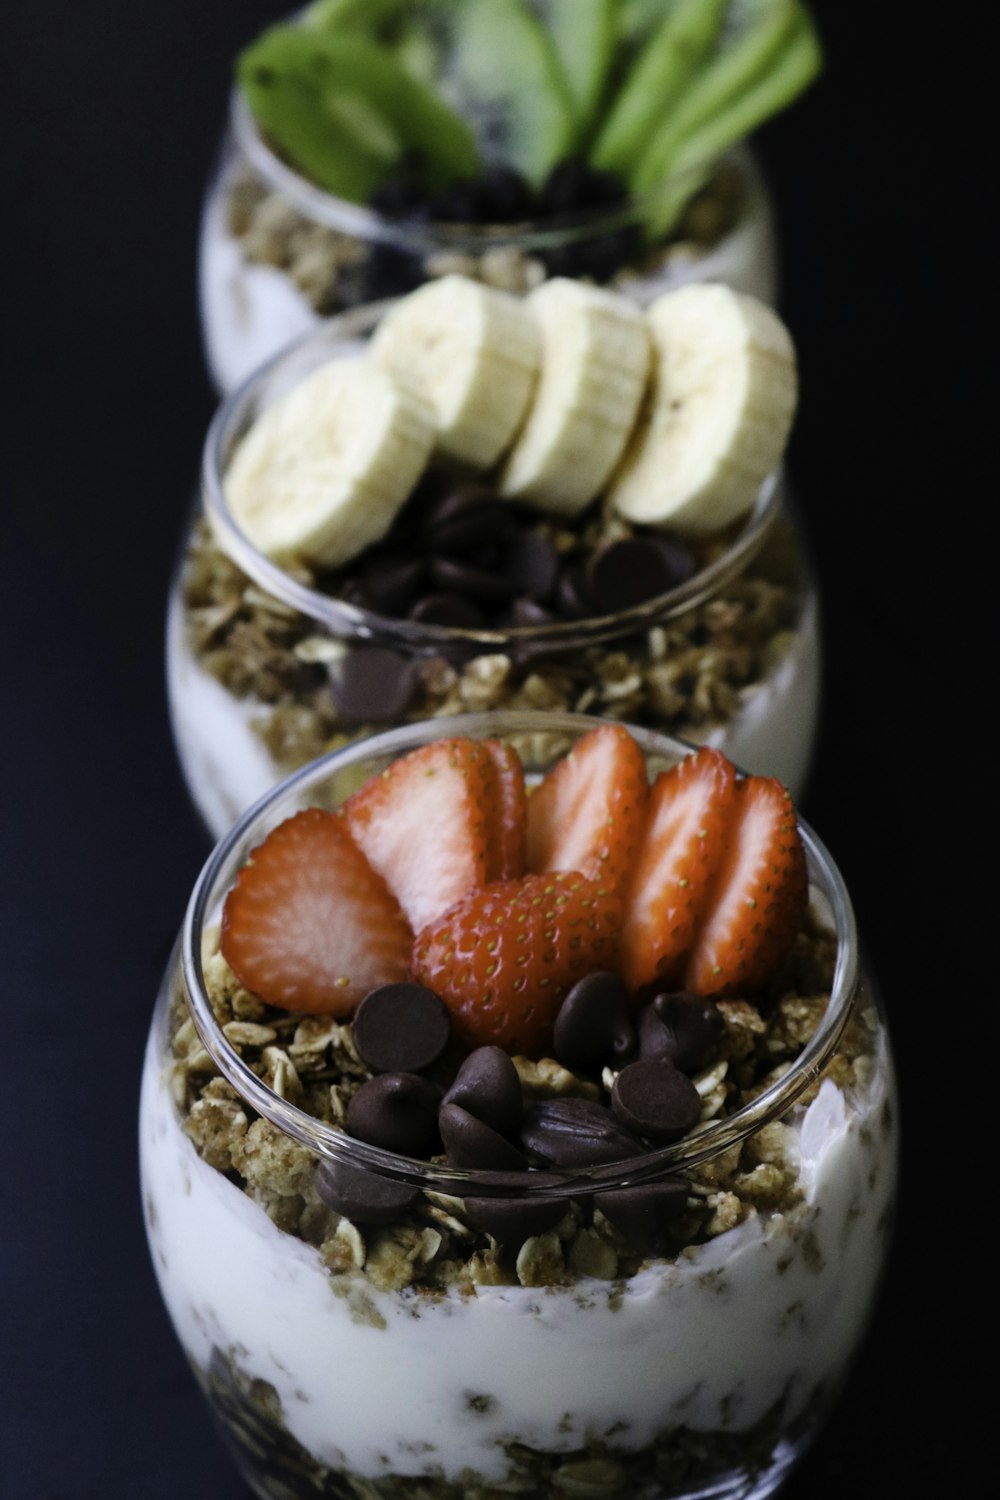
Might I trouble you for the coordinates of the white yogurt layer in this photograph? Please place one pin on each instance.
(771, 1310)
(227, 767)
(249, 312)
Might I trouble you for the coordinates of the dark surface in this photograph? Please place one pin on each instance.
(116, 109)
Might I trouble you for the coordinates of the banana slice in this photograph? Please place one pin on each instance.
(323, 472)
(472, 351)
(718, 412)
(595, 359)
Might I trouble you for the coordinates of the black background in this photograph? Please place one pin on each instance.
(881, 180)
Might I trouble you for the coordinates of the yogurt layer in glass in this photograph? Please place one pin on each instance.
(280, 246)
(258, 654)
(421, 1356)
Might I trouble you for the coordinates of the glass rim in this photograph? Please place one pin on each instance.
(346, 621)
(326, 1142)
(365, 223)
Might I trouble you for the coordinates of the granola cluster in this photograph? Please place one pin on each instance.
(312, 1062)
(329, 266)
(686, 675)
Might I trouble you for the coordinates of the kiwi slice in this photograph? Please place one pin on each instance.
(509, 79)
(671, 56)
(344, 110)
(759, 35)
(584, 35)
(284, 83)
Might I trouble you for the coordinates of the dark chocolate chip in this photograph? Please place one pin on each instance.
(571, 597)
(686, 1028)
(397, 1111)
(401, 1028)
(575, 1133)
(525, 613)
(514, 1220)
(470, 1143)
(627, 572)
(487, 1086)
(593, 1026)
(448, 609)
(466, 521)
(679, 558)
(372, 684)
(362, 1196)
(655, 1100)
(452, 575)
(647, 1214)
(531, 564)
(391, 581)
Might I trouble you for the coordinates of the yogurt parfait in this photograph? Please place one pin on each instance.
(518, 1119)
(467, 500)
(372, 144)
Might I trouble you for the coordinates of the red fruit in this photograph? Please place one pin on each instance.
(681, 848)
(308, 924)
(588, 812)
(759, 896)
(426, 824)
(505, 857)
(503, 958)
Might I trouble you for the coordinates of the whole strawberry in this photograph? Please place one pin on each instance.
(504, 957)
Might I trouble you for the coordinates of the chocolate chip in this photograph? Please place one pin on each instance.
(593, 1026)
(655, 1100)
(454, 576)
(391, 581)
(397, 1111)
(531, 565)
(401, 1028)
(487, 1086)
(686, 1028)
(627, 572)
(372, 683)
(448, 609)
(571, 598)
(647, 1214)
(470, 1143)
(466, 521)
(514, 1220)
(525, 612)
(362, 1196)
(575, 1133)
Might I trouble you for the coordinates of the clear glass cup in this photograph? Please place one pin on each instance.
(731, 657)
(276, 252)
(417, 1358)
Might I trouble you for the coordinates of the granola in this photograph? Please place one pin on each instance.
(687, 675)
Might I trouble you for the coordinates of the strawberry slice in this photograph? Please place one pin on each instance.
(427, 824)
(759, 896)
(308, 924)
(504, 958)
(588, 812)
(506, 853)
(681, 849)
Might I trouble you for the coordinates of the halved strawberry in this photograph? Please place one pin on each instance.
(587, 813)
(505, 856)
(426, 824)
(308, 924)
(759, 896)
(504, 958)
(681, 848)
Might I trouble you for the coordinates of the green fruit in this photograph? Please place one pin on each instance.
(284, 84)
(509, 79)
(319, 96)
(670, 57)
(584, 36)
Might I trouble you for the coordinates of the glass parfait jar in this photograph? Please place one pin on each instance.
(266, 670)
(406, 1351)
(277, 252)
